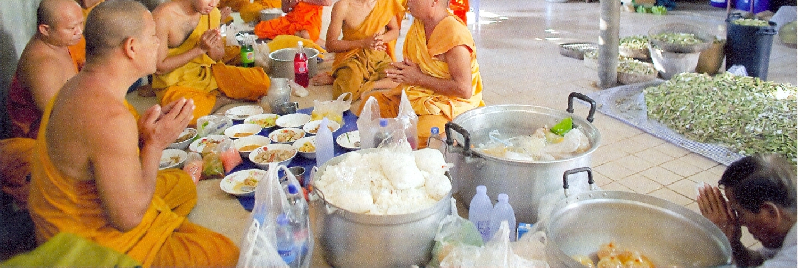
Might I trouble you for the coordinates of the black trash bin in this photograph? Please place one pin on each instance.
(749, 46)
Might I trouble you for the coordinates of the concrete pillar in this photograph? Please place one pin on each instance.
(609, 25)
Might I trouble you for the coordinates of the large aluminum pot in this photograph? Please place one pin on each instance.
(281, 62)
(350, 239)
(524, 181)
(668, 234)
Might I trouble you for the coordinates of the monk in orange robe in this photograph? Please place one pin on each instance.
(188, 62)
(98, 177)
(78, 50)
(302, 18)
(249, 11)
(363, 52)
(440, 73)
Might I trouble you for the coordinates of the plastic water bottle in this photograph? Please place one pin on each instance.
(503, 212)
(298, 218)
(435, 141)
(382, 134)
(479, 212)
(324, 143)
(285, 240)
(301, 75)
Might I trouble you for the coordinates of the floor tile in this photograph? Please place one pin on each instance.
(661, 175)
(700, 161)
(681, 168)
(705, 177)
(654, 156)
(685, 187)
(601, 180)
(616, 186)
(614, 170)
(634, 163)
(671, 196)
(648, 139)
(640, 184)
(672, 150)
(605, 154)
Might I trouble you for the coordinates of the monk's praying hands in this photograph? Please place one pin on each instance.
(715, 208)
(404, 72)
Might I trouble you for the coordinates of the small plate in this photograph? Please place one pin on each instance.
(199, 144)
(266, 121)
(293, 120)
(242, 130)
(349, 140)
(300, 142)
(172, 158)
(242, 112)
(295, 134)
(185, 139)
(233, 183)
(313, 126)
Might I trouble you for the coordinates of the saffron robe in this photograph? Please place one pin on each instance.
(304, 16)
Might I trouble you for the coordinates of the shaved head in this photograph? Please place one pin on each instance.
(111, 23)
(49, 10)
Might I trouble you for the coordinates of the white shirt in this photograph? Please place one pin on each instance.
(784, 256)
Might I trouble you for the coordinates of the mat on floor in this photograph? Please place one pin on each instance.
(627, 103)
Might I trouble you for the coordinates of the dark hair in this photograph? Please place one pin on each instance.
(111, 23)
(756, 179)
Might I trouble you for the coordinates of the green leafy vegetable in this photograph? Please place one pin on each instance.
(659, 10)
(678, 38)
(563, 126)
(634, 42)
(751, 22)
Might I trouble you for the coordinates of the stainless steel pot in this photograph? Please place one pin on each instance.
(668, 234)
(281, 62)
(524, 181)
(350, 239)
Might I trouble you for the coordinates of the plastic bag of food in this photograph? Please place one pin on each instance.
(332, 109)
(453, 231)
(193, 166)
(213, 125)
(498, 252)
(229, 155)
(404, 126)
(212, 167)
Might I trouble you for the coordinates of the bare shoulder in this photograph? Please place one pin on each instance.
(40, 61)
(341, 5)
(165, 12)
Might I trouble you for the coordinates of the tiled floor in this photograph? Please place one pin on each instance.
(517, 47)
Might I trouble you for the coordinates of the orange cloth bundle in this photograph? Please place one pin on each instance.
(304, 17)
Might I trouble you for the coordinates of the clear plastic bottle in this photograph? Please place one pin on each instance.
(479, 212)
(324, 143)
(285, 240)
(301, 75)
(435, 141)
(298, 218)
(382, 134)
(503, 212)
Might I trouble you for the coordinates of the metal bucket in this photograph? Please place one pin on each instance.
(524, 181)
(350, 239)
(668, 234)
(281, 62)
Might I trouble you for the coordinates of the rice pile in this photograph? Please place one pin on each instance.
(386, 181)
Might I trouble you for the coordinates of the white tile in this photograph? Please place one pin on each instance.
(654, 156)
(634, 163)
(640, 184)
(661, 175)
(614, 170)
(671, 196)
(687, 188)
(680, 167)
(672, 150)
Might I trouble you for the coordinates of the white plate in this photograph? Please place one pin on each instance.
(298, 144)
(233, 182)
(172, 158)
(313, 126)
(297, 134)
(242, 112)
(349, 140)
(231, 132)
(265, 165)
(293, 120)
(199, 144)
(258, 119)
(191, 132)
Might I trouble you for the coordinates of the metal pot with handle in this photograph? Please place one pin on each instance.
(668, 234)
(525, 182)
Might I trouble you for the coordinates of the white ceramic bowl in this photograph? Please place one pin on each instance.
(172, 158)
(257, 159)
(266, 121)
(300, 142)
(258, 140)
(242, 130)
(185, 138)
(242, 112)
(286, 135)
(200, 144)
(293, 120)
(349, 140)
(313, 126)
(233, 183)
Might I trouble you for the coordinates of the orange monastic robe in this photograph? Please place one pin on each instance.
(164, 237)
(434, 110)
(78, 51)
(199, 78)
(356, 70)
(304, 17)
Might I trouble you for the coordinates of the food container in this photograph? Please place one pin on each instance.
(669, 235)
(680, 28)
(350, 239)
(524, 181)
(282, 62)
(184, 139)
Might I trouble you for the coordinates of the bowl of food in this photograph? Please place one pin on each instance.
(207, 144)
(306, 147)
(286, 135)
(349, 140)
(185, 138)
(312, 127)
(272, 153)
(267, 121)
(293, 120)
(246, 145)
(244, 111)
(242, 182)
(242, 130)
(172, 158)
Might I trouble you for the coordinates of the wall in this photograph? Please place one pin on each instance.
(17, 25)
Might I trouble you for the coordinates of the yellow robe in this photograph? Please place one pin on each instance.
(434, 110)
(356, 70)
(59, 203)
(304, 16)
(199, 78)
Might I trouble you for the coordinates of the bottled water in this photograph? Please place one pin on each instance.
(503, 212)
(324, 143)
(382, 134)
(436, 142)
(479, 212)
(298, 216)
(285, 240)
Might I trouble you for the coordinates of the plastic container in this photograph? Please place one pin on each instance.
(503, 211)
(718, 3)
(285, 240)
(479, 212)
(301, 72)
(324, 144)
(278, 95)
(382, 134)
(435, 141)
(749, 46)
(745, 5)
(298, 219)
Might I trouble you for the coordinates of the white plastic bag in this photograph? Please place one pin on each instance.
(213, 125)
(332, 109)
(498, 252)
(406, 122)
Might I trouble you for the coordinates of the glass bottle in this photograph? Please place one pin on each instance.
(247, 52)
(279, 94)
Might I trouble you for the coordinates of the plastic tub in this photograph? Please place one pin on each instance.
(749, 46)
